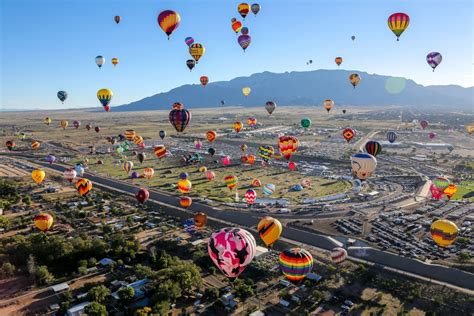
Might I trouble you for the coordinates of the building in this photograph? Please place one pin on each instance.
(138, 286)
(77, 310)
(60, 288)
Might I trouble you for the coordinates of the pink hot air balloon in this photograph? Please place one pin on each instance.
(231, 249)
(197, 144)
(250, 196)
(436, 193)
(432, 135)
(225, 160)
(210, 175)
(424, 124)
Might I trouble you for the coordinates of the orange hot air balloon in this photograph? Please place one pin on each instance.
(328, 104)
(35, 145)
(204, 80)
(250, 159)
(43, 221)
(160, 151)
(38, 175)
(137, 139)
(83, 186)
(211, 136)
(64, 124)
(243, 9)
(185, 201)
(130, 134)
(288, 145)
(450, 190)
(184, 185)
(236, 26)
(238, 126)
(115, 61)
(338, 61)
(200, 219)
(169, 20)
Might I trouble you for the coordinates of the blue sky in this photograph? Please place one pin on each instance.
(50, 45)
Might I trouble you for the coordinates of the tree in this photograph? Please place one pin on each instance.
(96, 309)
(43, 276)
(26, 199)
(243, 290)
(126, 293)
(7, 269)
(98, 294)
(464, 257)
(145, 311)
(142, 271)
(211, 293)
(31, 265)
(5, 222)
(162, 308)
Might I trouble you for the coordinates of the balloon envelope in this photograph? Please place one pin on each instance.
(269, 230)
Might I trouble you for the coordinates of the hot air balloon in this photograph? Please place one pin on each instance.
(225, 160)
(450, 190)
(434, 59)
(292, 165)
(210, 175)
(268, 189)
(105, 96)
(363, 165)
(70, 174)
(444, 232)
(246, 91)
(236, 26)
(162, 134)
(142, 195)
(169, 21)
(441, 183)
(250, 196)
(250, 159)
(470, 129)
(64, 124)
(266, 152)
(354, 79)
(47, 120)
(38, 175)
(204, 80)
(432, 135)
(211, 136)
(179, 118)
(288, 145)
(197, 144)
(160, 151)
(196, 51)
(135, 175)
(202, 169)
(243, 9)
(79, 169)
(51, 159)
(127, 166)
(211, 151)
(99, 60)
(391, 136)
(200, 219)
(252, 121)
(130, 134)
(117, 19)
(338, 255)
(231, 249)
(76, 124)
(185, 201)
(344, 111)
(183, 175)
(244, 41)
(148, 173)
(255, 8)
(353, 37)
(83, 186)
(97, 129)
(190, 63)
(231, 181)
(141, 157)
(338, 61)
(398, 22)
(138, 140)
(244, 30)
(184, 185)
(305, 122)
(243, 147)
(269, 230)
(43, 221)
(328, 104)
(295, 263)
(88, 127)
(10, 144)
(115, 61)
(189, 41)
(238, 126)
(256, 183)
(348, 133)
(270, 106)
(372, 147)
(35, 145)
(436, 193)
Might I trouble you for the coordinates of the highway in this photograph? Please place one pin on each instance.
(443, 274)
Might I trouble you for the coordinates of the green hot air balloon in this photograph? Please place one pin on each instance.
(305, 122)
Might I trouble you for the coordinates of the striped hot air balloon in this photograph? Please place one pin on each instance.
(83, 186)
(43, 221)
(338, 255)
(211, 136)
(250, 196)
(160, 151)
(444, 232)
(269, 229)
(398, 23)
(184, 185)
(137, 139)
(266, 152)
(179, 117)
(391, 136)
(295, 263)
(268, 189)
(231, 181)
(169, 20)
(127, 166)
(185, 201)
(148, 173)
(129, 134)
(288, 145)
(196, 51)
(372, 147)
(243, 9)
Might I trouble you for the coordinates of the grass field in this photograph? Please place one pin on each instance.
(465, 191)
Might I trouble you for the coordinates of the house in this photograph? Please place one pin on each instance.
(284, 303)
(314, 277)
(228, 300)
(59, 288)
(138, 286)
(77, 310)
(106, 262)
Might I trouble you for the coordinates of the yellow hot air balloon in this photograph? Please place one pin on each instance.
(64, 124)
(38, 175)
(269, 230)
(105, 96)
(444, 232)
(470, 129)
(47, 120)
(246, 91)
(43, 221)
(196, 51)
(354, 79)
(115, 61)
(328, 104)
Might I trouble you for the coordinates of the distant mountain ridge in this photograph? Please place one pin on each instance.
(308, 88)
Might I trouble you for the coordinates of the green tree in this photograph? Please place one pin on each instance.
(5, 222)
(43, 276)
(243, 290)
(98, 294)
(145, 311)
(26, 199)
(463, 257)
(162, 308)
(96, 309)
(211, 293)
(142, 271)
(7, 270)
(126, 293)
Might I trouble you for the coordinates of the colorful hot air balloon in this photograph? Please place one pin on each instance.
(83, 186)
(105, 96)
(210, 175)
(338, 61)
(10, 144)
(268, 189)
(38, 175)
(243, 147)
(450, 190)
(354, 79)
(236, 26)
(363, 165)
(35, 145)
(244, 41)
(200, 219)
(117, 19)
(434, 59)
(179, 118)
(148, 173)
(141, 157)
(70, 174)
(115, 61)
(231, 181)
(47, 120)
(266, 152)
(185, 201)
(436, 193)
(190, 63)
(398, 22)
(64, 124)
(270, 106)
(372, 147)
(328, 104)
(441, 183)
(305, 122)
(160, 151)
(244, 30)
(142, 195)
(338, 255)
(250, 159)
(162, 134)
(196, 51)
(252, 121)
(246, 91)
(238, 126)
(288, 145)
(138, 140)
(184, 185)
(250, 196)
(130, 134)
(169, 21)
(391, 136)
(189, 41)
(231, 249)
(127, 166)
(62, 96)
(295, 263)
(198, 144)
(100, 60)
(444, 232)
(204, 80)
(269, 229)
(348, 133)
(211, 136)
(243, 9)
(255, 8)
(43, 221)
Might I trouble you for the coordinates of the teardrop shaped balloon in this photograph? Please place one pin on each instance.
(204, 80)
(62, 96)
(373, 147)
(169, 21)
(115, 61)
(105, 96)
(244, 30)
(434, 59)
(354, 79)
(180, 118)
(236, 26)
(398, 23)
(243, 9)
(196, 51)
(244, 41)
(190, 63)
(255, 8)
(270, 106)
(328, 105)
(189, 41)
(117, 19)
(338, 61)
(99, 60)
(246, 91)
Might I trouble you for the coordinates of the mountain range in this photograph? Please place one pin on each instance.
(311, 88)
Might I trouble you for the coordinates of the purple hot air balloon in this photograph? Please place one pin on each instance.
(50, 159)
(135, 175)
(76, 124)
(434, 59)
(244, 30)
(244, 41)
(432, 135)
(189, 41)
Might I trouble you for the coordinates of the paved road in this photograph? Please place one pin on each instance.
(444, 274)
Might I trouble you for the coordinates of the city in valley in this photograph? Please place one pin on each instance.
(119, 213)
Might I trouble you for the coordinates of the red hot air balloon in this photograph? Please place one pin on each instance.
(204, 80)
(179, 117)
(348, 134)
(169, 20)
(142, 195)
(250, 196)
